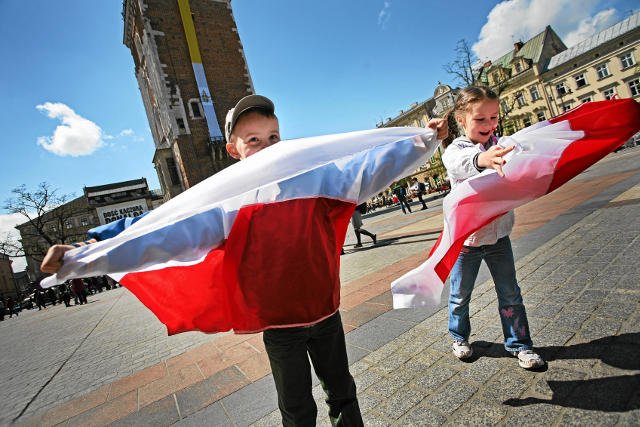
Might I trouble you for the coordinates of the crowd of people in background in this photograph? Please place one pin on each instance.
(76, 289)
(403, 195)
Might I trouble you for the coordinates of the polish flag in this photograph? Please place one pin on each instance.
(547, 155)
(257, 245)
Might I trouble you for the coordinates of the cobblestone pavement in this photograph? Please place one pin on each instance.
(111, 361)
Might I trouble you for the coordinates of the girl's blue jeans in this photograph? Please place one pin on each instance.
(499, 259)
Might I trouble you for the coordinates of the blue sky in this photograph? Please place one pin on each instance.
(330, 66)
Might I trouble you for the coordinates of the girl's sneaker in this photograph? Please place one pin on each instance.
(528, 359)
(462, 350)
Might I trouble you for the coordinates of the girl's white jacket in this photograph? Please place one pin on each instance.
(458, 159)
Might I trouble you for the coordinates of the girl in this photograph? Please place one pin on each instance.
(476, 111)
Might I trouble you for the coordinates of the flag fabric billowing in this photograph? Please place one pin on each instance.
(547, 155)
(257, 245)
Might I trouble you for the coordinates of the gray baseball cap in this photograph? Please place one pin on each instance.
(246, 103)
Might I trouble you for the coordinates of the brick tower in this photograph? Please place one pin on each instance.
(191, 70)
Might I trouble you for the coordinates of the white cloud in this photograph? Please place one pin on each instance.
(7, 224)
(590, 26)
(384, 14)
(76, 136)
(514, 20)
(126, 132)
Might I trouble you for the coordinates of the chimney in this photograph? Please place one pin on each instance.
(517, 46)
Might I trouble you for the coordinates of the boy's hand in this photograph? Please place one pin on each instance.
(441, 126)
(492, 158)
(53, 259)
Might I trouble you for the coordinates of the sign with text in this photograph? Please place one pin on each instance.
(111, 213)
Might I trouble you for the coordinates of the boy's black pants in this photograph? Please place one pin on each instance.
(324, 343)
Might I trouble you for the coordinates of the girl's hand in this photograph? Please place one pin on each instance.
(441, 126)
(53, 259)
(492, 158)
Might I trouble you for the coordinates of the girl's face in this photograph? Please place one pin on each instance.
(480, 120)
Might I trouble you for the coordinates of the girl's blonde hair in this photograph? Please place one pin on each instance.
(471, 95)
(466, 97)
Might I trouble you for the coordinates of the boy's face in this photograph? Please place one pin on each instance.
(252, 132)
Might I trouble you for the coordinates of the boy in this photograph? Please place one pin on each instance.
(250, 127)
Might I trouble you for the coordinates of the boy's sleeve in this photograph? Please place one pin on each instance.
(112, 229)
(459, 162)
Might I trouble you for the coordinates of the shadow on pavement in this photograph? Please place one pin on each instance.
(609, 394)
(391, 241)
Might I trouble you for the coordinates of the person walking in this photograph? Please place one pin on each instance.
(418, 189)
(356, 221)
(401, 193)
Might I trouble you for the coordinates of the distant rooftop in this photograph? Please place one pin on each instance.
(138, 183)
(602, 37)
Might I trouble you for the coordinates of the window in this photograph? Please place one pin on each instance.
(541, 117)
(520, 99)
(586, 99)
(602, 70)
(609, 93)
(561, 89)
(580, 80)
(173, 171)
(634, 87)
(526, 121)
(54, 228)
(84, 222)
(181, 124)
(195, 109)
(627, 60)
(68, 224)
(533, 90)
(518, 67)
(505, 105)
(566, 107)
(421, 123)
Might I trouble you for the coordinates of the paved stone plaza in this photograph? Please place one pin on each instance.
(110, 362)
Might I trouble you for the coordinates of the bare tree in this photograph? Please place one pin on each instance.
(47, 217)
(461, 68)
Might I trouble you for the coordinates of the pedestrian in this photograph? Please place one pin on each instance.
(476, 110)
(11, 305)
(356, 221)
(418, 189)
(2, 309)
(401, 193)
(66, 295)
(78, 289)
(51, 294)
(40, 301)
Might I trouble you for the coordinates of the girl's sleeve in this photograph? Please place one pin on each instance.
(459, 162)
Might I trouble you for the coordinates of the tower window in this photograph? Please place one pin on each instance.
(173, 171)
(195, 109)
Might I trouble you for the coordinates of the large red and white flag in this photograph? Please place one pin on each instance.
(547, 155)
(257, 245)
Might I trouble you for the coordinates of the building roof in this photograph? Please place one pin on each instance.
(602, 37)
(142, 182)
(531, 49)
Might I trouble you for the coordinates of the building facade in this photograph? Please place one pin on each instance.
(604, 66)
(7, 282)
(542, 78)
(191, 70)
(418, 115)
